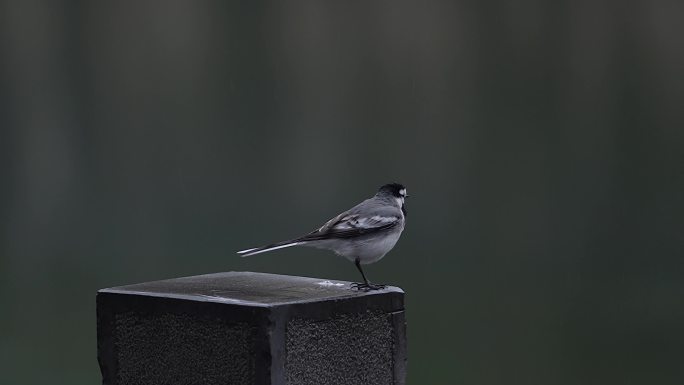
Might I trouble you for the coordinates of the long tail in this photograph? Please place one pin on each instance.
(275, 246)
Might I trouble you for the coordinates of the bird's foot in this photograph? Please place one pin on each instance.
(367, 286)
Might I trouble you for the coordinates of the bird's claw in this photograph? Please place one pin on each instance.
(363, 286)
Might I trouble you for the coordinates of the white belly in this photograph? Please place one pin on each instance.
(368, 250)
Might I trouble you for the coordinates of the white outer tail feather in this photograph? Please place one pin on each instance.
(259, 250)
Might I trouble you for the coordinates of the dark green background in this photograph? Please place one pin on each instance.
(542, 142)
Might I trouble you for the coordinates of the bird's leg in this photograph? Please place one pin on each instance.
(366, 285)
(358, 266)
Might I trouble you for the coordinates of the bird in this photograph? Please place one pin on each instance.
(363, 234)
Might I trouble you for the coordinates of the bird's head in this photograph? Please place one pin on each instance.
(394, 190)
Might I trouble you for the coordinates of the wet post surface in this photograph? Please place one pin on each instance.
(250, 328)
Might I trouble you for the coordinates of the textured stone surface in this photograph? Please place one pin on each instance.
(180, 348)
(250, 328)
(334, 352)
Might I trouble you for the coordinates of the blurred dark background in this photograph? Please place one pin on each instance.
(542, 144)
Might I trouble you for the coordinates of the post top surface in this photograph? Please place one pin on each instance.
(249, 288)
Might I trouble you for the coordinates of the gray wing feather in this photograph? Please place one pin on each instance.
(367, 217)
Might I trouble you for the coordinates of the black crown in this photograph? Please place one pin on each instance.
(392, 188)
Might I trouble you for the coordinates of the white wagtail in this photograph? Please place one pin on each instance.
(362, 234)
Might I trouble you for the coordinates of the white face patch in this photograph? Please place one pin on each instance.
(402, 192)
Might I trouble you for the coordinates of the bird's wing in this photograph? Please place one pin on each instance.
(349, 225)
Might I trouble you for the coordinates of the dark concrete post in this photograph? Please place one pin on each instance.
(250, 328)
